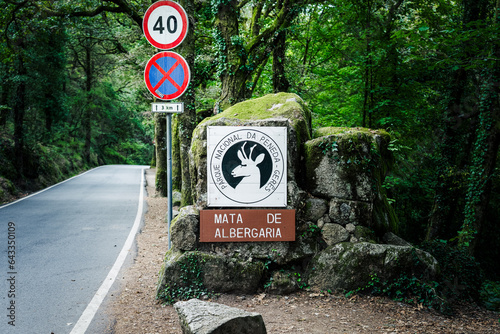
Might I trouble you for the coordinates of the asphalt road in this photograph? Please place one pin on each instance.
(58, 246)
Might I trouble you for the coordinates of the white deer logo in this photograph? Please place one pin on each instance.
(248, 170)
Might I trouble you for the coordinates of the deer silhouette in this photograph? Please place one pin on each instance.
(248, 170)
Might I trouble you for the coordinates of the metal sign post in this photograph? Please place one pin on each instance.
(169, 174)
(163, 107)
(167, 74)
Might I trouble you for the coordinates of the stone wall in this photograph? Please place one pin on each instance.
(334, 184)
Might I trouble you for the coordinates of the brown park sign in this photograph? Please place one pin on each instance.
(247, 225)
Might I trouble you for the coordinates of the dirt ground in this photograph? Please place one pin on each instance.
(135, 310)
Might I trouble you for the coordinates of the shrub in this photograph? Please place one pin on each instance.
(490, 295)
(460, 277)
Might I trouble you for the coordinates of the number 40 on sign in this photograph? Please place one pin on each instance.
(165, 24)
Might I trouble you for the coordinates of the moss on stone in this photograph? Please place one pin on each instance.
(280, 105)
(363, 233)
(384, 217)
(198, 150)
(169, 266)
(356, 152)
(313, 156)
(328, 131)
(217, 273)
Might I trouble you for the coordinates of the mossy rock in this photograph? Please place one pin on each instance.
(176, 198)
(314, 209)
(352, 141)
(282, 282)
(349, 266)
(350, 164)
(358, 157)
(363, 233)
(280, 253)
(273, 110)
(216, 273)
(334, 233)
(345, 212)
(280, 105)
(185, 229)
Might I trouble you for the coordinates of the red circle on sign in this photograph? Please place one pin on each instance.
(151, 37)
(167, 75)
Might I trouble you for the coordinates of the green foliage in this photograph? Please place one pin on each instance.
(291, 274)
(460, 275)
(411, 186)
(62, 99)
(312, 231)
(490, 295)
(191, 285)
(478, 177)
(460, 278)
(329, 147)
(301, 283)
(405, 288)
(271, 259)
(220, 51)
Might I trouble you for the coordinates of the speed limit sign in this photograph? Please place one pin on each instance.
(165, 24)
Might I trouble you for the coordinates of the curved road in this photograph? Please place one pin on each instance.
(65, 244)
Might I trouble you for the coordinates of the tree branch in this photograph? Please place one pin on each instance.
(263, 37)
(122, 7)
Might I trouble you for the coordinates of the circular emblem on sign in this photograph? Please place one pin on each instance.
(247, 166)
(167, 75)
(165, 24)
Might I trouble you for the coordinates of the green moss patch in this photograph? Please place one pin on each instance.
(280, 105)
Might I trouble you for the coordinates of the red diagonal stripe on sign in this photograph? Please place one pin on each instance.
(166, 75)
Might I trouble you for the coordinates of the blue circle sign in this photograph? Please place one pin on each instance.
(167, 75)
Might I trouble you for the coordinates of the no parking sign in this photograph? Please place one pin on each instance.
(167, 75)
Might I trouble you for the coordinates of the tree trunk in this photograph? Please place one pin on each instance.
(161, 154)
(49, 119)
(442, 213)
(19, 111)
(231, 76)
(51, 104)
(187, 120)
(368, 87)
(239, 58)
(280, 82)
(4, 110)
(87, 119)
(444, 216)
(483, 164)
(485, 150)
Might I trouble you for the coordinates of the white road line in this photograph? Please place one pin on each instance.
(89, 313)
(55, 185)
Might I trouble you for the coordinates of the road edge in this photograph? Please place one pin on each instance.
(90, 311)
